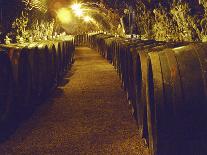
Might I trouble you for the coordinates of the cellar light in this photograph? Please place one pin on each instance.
(79, 13)
(77, 9)
(76, 6)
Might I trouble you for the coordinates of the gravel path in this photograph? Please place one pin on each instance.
(88, 114)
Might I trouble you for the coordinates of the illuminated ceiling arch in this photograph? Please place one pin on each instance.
(103, 18)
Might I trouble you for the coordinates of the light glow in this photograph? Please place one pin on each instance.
(76, 6)
(64, 15)
(78, 11)
(87, 19)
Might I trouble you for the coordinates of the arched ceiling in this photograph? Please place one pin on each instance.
(104, 18)
(149, 15)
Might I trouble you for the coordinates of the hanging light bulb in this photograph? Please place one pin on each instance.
(77, 9)
(76, 6)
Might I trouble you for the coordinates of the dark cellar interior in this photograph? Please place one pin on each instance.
(103, 77)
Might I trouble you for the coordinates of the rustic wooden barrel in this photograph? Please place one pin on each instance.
(14, 56)
(200, 51)
(60, 51)
(6, 87)
(143, 58)
(42, 70)
(132, 75)
(70, 53)
(49, 68)
(71, 50)
(27, 73)
(154, 95)
(124, 47)
(54, 65)
(103, 44)
(137, 79)
(126, 63)
(192, 112)
(176, 96)
(67, 55)
(77, 40)
(107, 53)
(24, 79)
(57, 61)
(34, 61)
(115, 54)
(21, 76)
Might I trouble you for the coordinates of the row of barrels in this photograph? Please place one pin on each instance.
(166, 85)
(29, 72)
(81, 40)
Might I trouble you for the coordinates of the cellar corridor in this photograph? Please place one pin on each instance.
(87, 115)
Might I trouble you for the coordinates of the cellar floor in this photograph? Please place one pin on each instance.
(87, 114)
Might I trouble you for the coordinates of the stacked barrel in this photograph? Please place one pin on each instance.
(81, 39)
(29, 72)
(166, 85)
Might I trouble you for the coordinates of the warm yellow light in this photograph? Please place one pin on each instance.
(76, 6)
(77, 9)
(87, 19)
(79, 13)
(64, 15)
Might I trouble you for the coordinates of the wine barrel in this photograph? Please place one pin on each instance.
(54, 65)
(126, 61)
(70, 53)
(21, 72)
(49, 68)
(66, 57)
(154, 95)
(176, 96)
(192, 111)
(137, 79)
(34, 61)
(125, 66)
(200, 51)
(6, 87)
(58, 61)
(109, 47)
(60, 56)
(24, 79)
(124, 46)
(27, 73)
(42, 70)
(103, 45)
(72, 50)
(52, 50)
(77, 42)
(141, 83)
(114, 53)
